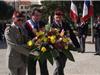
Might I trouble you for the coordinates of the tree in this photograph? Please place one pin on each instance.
(5, 10)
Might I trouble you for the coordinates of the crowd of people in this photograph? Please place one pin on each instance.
(20, 31)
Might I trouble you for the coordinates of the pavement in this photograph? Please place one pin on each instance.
(85, 63)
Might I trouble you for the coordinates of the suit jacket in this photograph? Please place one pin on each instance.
(16, 47)
(97, 30)
(83, 29)
(67, 28)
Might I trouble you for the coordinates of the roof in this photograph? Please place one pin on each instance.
(25, 3)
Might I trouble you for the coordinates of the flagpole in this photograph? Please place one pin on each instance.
(92, 35)
(49, 19)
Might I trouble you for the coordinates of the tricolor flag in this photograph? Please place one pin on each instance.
(87, 10)
(73, 12)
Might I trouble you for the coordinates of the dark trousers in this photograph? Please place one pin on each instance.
(82, 39)
(60, 64)
(97, 44)
(0, 37)
(32, 66)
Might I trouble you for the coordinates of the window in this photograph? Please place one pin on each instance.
(26, 7)
(21, 7)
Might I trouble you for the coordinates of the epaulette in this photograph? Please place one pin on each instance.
(8, 25)
(8, 28)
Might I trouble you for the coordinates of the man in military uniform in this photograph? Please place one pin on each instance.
(16, 45)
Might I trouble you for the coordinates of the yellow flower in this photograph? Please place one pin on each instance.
(39, 33)
(65, 39)
(53, 39)
(43, 49)
(49, 37)
(30, 43)
(66, 47)
(45, 39)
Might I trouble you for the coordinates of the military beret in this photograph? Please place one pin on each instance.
(18, 14)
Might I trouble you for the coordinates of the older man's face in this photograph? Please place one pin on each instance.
(18, 20)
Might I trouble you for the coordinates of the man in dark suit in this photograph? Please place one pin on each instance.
(33, 25)
(82, 31)
(60, 24)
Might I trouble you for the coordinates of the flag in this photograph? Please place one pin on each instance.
(73, 12)
(91, 12)
(87, 10)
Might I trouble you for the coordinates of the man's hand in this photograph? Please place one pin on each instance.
(35, 53)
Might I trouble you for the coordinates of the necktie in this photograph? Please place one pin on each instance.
(60, 25)
(20, 30)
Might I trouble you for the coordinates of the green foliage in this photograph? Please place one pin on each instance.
(5, 10)
(69, 55)
(50, 6)
(49, 57)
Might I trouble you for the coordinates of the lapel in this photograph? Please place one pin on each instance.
(16, 31)
(57, 25)
(18, 35)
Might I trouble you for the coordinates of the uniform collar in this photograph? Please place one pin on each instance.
(13, 24)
